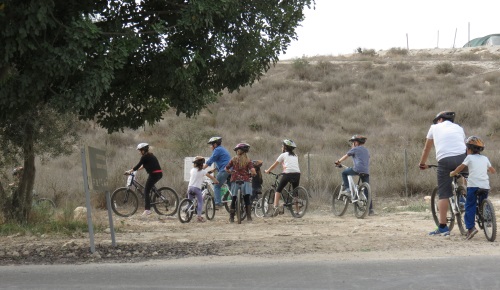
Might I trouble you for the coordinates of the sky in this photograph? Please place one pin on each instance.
(339, 27)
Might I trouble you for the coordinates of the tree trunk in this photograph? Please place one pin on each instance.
(17, 207)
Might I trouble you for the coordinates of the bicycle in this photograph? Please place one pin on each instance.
(188, 207)
(256, 204)
(296, 200)
(42, 204)
(456, 209)
(124, 200)
(360, 197)
(485, 215)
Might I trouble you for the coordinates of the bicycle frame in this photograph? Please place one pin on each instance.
(131, 181)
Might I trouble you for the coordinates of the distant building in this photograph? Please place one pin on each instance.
(488, 40)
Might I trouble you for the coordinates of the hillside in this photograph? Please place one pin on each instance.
(319, 102)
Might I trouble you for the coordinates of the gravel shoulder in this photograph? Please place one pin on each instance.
(319, 235)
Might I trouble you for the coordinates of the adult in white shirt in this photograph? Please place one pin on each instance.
(448, 139)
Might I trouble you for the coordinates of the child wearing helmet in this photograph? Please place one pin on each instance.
(361, 159)
(149, 162)
(195, 181)
(291, 171)
(241, 169)
(257, 180)
(479, 166)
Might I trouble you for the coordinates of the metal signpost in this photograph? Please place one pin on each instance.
(95, 177)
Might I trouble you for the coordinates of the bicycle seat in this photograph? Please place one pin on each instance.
(364, 174)
(239, 181)
(481, 191)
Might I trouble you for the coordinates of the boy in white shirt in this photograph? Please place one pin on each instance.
(479, 166)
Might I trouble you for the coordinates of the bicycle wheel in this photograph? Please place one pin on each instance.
(459, 217)
(46, 206)
(238, 206)
(166, 202)
(258, 208)
(340, 202)
(298, 202)
(186, 210)
(267, 202)
(124, 202)
(226, 200)
(362, 206)
(450, 219)
(489, 220)
(209, 207)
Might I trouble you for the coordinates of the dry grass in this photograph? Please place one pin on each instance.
(318, 102)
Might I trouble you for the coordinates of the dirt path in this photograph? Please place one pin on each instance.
(319, 235)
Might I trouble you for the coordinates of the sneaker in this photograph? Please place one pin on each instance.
(200, 219)
(146, 212)
(471, 233)
(276, 211)
(371, 212)
(440, 231)
(346, 192)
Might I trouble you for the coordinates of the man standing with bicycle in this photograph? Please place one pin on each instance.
(448, 139)
(221, 157)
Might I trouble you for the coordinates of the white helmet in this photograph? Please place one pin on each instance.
(143, 146)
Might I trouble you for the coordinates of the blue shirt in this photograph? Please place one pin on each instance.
(361, 159)
(221, 158)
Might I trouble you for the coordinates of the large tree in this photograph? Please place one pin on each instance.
(124, 63)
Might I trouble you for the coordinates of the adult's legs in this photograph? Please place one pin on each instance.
(150, 182)
(366, 178)
(221, 177)
(445, 189)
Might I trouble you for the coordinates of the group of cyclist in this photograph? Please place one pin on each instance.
(454, 155)
(245, 174)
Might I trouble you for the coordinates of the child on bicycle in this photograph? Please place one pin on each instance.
(195, 180)
(149, 162)
(241, 169)
(361, 159)
(291, 171)
(257, 180)
(479, 166)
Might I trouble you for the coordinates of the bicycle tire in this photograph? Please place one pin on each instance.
(46, 205)
(340, 202)
(299, 202)
(186, 210)
(226, 200)
(124, 202)
(258, 208)
(489, 220)
(459, 217)
(267, 202)
(238, 206)
(167, 202)
(209, 207)
(450, 219)
(362, 206)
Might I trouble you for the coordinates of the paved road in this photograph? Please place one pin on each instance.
(459, 273)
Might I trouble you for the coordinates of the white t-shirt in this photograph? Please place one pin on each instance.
(449, 139)
(196, 177)
(478, 170)
(290, 163)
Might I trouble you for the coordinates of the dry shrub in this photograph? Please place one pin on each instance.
(444, 68)
(466, 70)
(397, 51)
(469, 56)
(402, 66)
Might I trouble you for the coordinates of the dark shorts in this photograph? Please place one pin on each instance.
(445, 166)
(293, 178)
